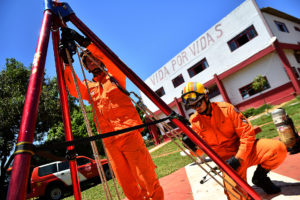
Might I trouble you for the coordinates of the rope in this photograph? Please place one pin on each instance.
(98, 125)
(94, 113)
(93, 144)
(88, 127)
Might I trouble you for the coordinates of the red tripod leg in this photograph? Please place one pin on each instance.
(161, 105)
(66, 113)
(21, 164)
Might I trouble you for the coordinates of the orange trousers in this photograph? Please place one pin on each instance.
(269, 153)
(134, 168)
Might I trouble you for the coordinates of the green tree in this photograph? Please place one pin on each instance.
(14, 81)
(143, 117)
(57, 134)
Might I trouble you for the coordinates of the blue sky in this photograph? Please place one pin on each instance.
(144, 34)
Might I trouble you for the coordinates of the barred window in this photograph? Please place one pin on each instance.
(178, 80)
(160, 92)
(242, 38)
(197, 68)
(281, 26)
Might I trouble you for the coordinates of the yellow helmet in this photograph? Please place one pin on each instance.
(192, 91)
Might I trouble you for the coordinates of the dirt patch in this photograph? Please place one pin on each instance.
(165, 154)
(158, 146)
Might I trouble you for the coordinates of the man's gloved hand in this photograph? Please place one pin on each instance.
(68, 34)
(233, 162)
(189, 142)
(68, 38)
(183, 119)
(62, 52)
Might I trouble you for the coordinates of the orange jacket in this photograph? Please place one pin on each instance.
(114, 109)
(226, 131)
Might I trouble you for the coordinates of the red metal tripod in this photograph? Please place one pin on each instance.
(54, 13)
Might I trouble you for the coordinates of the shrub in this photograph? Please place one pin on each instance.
(249, 112)
(252, 111)
(262, 109)
(149, 143)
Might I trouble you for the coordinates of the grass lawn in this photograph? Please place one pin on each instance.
(292, 108)
(168, 160)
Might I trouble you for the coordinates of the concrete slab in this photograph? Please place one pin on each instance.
(212, 190)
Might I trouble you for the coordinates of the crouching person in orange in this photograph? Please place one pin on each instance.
(129, 157)
(232, 137)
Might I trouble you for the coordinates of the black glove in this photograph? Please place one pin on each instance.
(189, 142)
(183, 119)
(67, 42)
(62, 52)
(233, 162)
(68, 34)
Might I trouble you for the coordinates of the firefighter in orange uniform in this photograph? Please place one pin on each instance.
(129, 157)
(230, 134)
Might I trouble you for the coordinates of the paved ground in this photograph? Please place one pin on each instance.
(184, 184)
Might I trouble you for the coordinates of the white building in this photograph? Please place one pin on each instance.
(246, 43)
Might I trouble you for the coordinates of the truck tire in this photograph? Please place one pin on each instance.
(55, 192)
(107, 174)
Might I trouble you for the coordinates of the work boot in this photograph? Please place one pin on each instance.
(261, 180)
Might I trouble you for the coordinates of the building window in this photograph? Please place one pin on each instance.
(297, 55)
(297, 28)
(295, 72)
(298, 70)
(178, 81)
(160, 92)
(63, 166)
(248, 91)
(197, 68)
(242, 38)
(46, 170)
(213, 91)
(82, 161)
(281, 26)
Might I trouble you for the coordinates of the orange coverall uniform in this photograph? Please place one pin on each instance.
(129, 157)
(229, 134)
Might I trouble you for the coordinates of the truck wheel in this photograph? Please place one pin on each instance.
(107, 174)
(54, 192)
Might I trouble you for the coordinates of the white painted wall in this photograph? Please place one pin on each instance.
(218, 98)
(293, 37)
(291, 57)
(270, 66)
